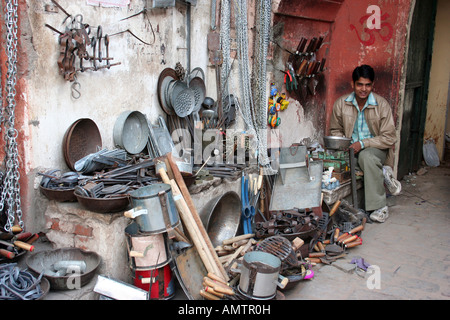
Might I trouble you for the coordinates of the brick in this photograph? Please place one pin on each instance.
(82, 230)
(54, 224)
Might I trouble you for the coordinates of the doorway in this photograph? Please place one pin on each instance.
(416, 87)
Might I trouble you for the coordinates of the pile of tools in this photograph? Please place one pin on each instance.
(288, 223)
(304, 65)
(16, 243)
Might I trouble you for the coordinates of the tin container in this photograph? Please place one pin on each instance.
(146, 251)
(154, 208)
(159, 282)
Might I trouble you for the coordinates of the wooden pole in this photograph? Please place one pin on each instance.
(187, 196)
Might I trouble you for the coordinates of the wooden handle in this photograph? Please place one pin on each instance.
(7, 254)
(216, 278)
(16, 229)
(33, 238)
(208, 295)
(335, 207)
(283, 282)
(214, 292)
(260, 178)
(316, 254)
(218, 286)
(297, 243)
(342, 236)
(23, 236)
(129, 213)
(336, 234)
(136, 254)
(237, 238)
(24, 245)
(357, 229)
(354, 243)
(147, 280)
(349, 239)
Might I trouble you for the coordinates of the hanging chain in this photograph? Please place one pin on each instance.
(10, 194)
(254, 107)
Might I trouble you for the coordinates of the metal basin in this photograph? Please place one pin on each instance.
(63, 195)
(104, 205)
(131, 131)
(44, 260)
(221, 217)
(336, 143)
(82, 138)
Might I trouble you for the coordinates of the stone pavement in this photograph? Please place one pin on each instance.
(411, 250)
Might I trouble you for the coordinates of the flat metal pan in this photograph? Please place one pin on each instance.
(165, 77)
(81, 139)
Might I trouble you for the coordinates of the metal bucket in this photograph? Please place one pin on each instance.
(146, 251)
(154, 209)
(259, 275)
(159, 282)
(221, 217)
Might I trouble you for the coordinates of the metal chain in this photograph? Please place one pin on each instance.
(254, 110)
(10, 194)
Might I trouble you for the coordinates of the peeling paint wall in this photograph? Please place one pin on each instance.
(46, 107)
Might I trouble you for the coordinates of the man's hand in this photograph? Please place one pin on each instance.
(356, 147)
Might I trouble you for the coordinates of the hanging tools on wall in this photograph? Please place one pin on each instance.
(306, 66)
(75, 42)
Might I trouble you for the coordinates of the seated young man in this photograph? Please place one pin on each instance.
(366, 118)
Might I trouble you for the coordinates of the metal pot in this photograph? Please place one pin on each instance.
(336, 143)
(146, 251)
(259, 275)
(221, 217)
(154, 209)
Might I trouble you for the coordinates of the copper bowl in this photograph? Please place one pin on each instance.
(81, 139)
(104, 205)
(65, 195)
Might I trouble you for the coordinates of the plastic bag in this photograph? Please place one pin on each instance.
(430, 153)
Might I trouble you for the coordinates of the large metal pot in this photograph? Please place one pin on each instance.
(154, 209)
(259, 275)
(221, 217)
(44, 260)
(336, 143)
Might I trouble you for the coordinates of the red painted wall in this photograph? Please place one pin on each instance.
(353, 44)
(349, 43)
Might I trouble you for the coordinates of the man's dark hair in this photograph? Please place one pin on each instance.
(364, 71)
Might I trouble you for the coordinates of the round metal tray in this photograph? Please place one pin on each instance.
(81, 139)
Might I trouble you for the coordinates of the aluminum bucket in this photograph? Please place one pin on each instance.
(146, 251)
(148, 209)
(259, 275)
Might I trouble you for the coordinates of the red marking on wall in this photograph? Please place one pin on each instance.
(368, 36)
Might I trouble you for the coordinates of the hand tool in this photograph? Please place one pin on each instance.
(99, 37)
(247, 210)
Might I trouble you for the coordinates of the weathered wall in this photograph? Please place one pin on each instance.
(45, 106)
(438, 94)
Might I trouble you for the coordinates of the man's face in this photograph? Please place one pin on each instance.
(362, 88)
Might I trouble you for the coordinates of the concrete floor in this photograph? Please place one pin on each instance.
(410, 252)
